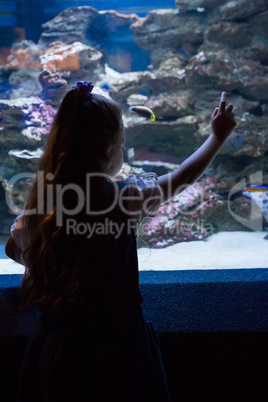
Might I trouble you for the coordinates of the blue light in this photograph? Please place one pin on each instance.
(8, 6)
(8, 21)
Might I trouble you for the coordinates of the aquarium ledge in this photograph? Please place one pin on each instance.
(212, 326)
(176, 301)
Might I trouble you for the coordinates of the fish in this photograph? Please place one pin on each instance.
(233, 143)
(143, 111)
(259, 194)
(193, 11)
(105, 86)
(256, 189)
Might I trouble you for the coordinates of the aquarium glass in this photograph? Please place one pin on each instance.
(175, 58)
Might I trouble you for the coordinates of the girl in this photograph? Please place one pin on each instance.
(77, 240)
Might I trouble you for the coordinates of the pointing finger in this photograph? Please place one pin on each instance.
(223, 102)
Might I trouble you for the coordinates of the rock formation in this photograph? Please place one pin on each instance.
(84, 24)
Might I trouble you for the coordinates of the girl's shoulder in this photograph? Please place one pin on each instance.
(144, 180)
(143, 192)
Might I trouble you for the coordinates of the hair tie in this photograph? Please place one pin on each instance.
(83, 89)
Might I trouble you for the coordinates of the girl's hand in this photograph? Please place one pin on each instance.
(222, 119)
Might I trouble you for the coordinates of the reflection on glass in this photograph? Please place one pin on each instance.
(173, 57)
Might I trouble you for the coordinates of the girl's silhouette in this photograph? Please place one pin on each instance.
(77, 238)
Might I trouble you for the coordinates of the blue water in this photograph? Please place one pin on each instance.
(31, 14)
(114, 4)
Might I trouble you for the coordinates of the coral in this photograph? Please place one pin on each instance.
(54, 87)
(216, 66)
(25, 125)
(59, 60)
(24, 55)
(23, 67)
(61, 57)
(183, 218)
(24, 83)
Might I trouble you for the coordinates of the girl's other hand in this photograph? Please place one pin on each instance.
(222, 119)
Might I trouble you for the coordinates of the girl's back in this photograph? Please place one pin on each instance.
(98, 348)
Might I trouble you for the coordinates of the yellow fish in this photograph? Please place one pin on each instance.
(256, 189)
(143, 111)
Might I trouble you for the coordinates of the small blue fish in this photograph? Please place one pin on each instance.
(105, 86)
(143, 111)
(233, 143)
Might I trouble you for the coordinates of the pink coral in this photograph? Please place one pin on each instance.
(39, 117)
(181, 219)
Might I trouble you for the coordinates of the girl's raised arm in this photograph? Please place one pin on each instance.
(222, 125)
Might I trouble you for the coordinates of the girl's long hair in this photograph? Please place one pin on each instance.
(56, 262)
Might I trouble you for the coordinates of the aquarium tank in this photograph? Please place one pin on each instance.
(174, 57)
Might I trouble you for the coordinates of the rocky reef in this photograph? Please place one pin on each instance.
(197, 49)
